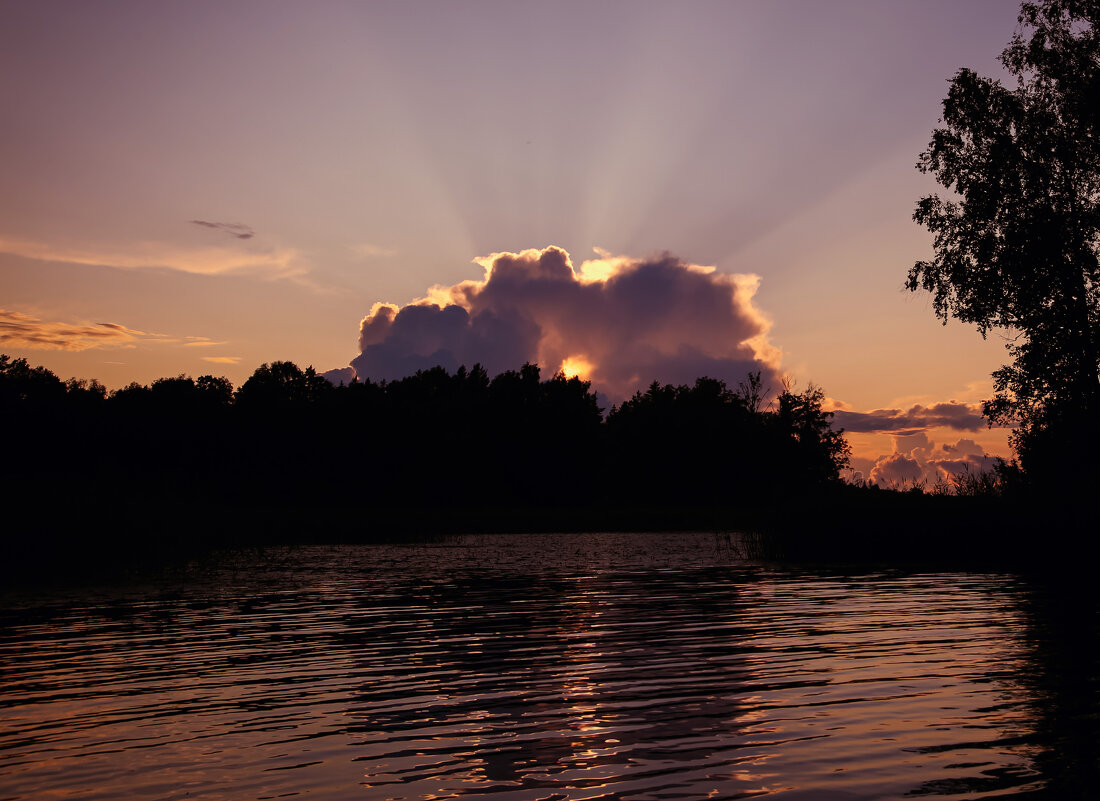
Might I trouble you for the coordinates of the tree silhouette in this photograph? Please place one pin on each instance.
(22, 384)
(288, 451)
(708, 444)
(282, 384)
(1018, 249)
(819, 450)
(214, 390)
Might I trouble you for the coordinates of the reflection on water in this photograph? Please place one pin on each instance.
(535, 667)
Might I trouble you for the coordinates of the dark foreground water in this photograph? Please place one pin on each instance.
(546, 667)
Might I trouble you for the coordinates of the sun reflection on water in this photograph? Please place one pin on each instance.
(525, 669)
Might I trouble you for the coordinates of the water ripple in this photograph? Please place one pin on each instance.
(522, 668)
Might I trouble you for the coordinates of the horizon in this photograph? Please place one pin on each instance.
(227, 185)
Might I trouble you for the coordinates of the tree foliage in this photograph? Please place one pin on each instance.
(282, 383)
(433, 440)
(21, 383)
(1017, 246)
(706, 443)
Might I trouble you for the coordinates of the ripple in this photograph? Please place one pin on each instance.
(526, 667)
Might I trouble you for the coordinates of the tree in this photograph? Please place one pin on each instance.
(1018, 247)
(712, 445)
(822, 451)
(214, 390)
(22, 384)
(282, 384)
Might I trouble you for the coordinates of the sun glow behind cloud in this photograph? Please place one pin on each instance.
(620, 322)
(576, 367)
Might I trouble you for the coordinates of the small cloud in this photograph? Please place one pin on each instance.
(20, 330)
(237, 230)
(896, 469)
(202, 342)
(221, 359)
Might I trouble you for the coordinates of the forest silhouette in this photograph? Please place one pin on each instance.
(432, 440)
(289, 457)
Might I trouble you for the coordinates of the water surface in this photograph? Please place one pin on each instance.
(545, 667)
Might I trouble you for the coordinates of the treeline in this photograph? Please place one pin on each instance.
(287, 443)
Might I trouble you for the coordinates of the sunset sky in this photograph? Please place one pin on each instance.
(229, 183)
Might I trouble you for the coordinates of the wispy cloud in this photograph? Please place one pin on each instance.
(221, 260)
(20, 330)
(202, 342)
(236, 230)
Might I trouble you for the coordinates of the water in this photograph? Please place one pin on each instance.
(535, 667)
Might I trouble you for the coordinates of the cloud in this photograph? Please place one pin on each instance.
(619, 322)
(916, 458)
(958, 416)
(896, 469)
(340, 376)
(20, 330)
(202, 342)
(237, 230)
(238, 260)
(24, 331)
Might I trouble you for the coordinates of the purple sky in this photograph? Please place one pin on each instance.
(238, 182)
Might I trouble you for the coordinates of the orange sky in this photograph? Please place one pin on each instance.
(231, 183)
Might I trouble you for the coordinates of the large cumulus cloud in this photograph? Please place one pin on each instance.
(617, 321)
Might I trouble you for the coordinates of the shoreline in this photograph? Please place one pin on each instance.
(93, 528)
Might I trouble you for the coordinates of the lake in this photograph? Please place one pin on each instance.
(524, 667)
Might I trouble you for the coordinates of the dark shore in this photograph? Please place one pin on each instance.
(94, 526)
(182, 466)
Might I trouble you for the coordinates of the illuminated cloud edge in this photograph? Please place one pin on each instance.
(619, 322)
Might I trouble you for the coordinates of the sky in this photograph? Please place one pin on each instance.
(202, 187)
